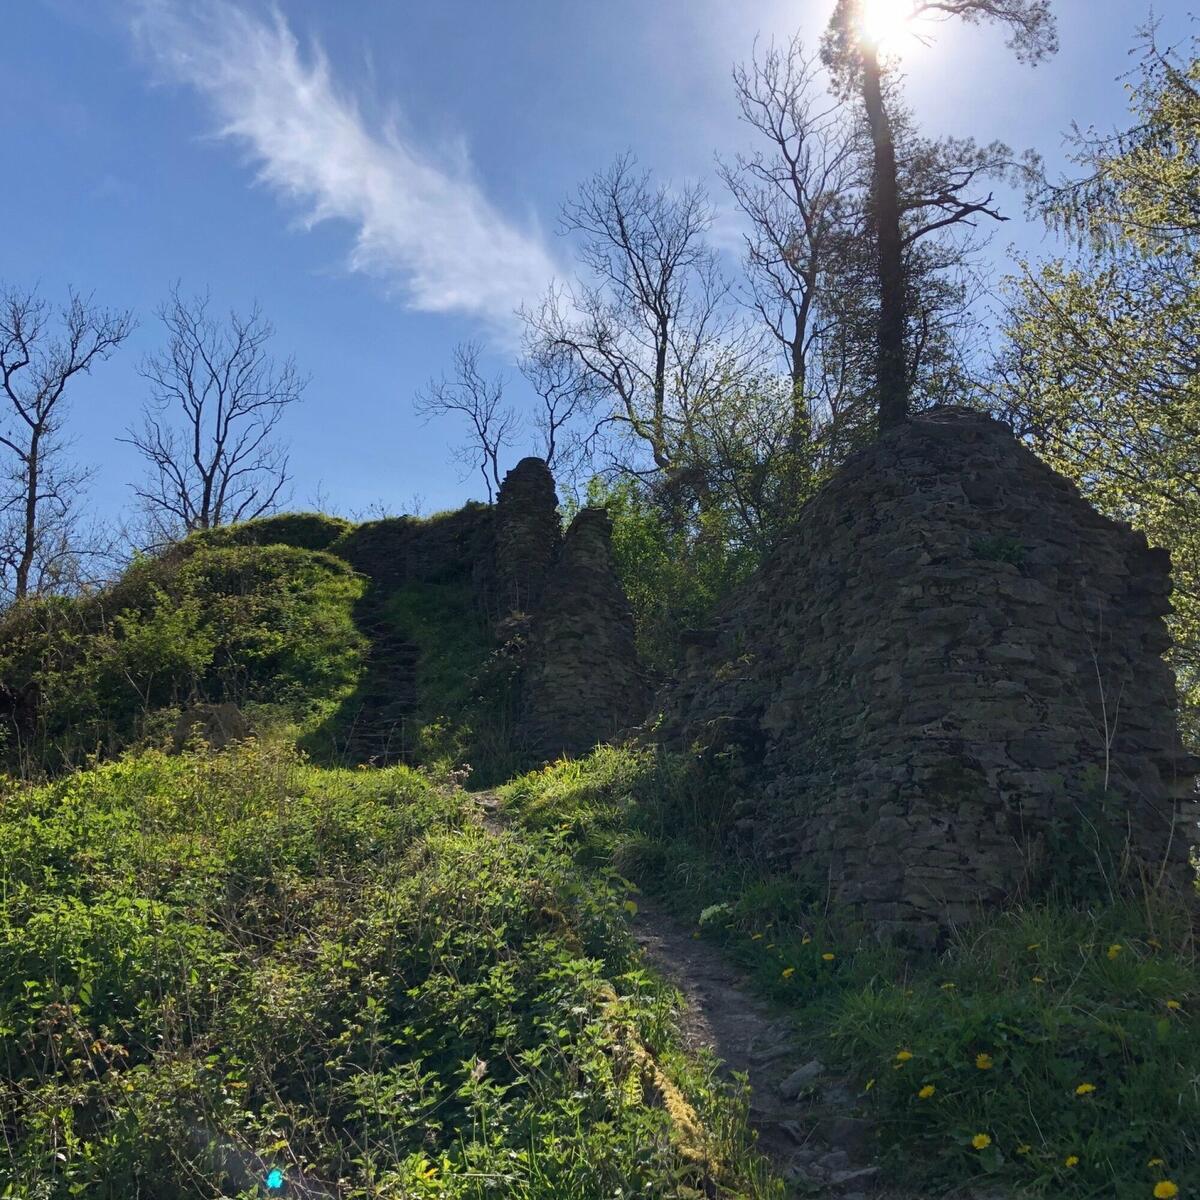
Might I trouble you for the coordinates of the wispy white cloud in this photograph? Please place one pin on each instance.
(421, 220)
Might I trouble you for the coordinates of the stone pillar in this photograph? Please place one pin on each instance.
(582, 681)
(528, 534)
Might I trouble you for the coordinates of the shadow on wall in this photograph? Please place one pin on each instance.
(950, 682)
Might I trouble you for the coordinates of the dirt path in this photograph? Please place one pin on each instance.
(802, 1114)
(807, 1118)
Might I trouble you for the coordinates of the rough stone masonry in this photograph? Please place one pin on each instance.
(947, 687)
(581, 682)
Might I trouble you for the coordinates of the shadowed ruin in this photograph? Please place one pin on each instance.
(582, 681)
(948, 686)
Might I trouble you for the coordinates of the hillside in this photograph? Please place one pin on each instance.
(363, 639)
(305, 961)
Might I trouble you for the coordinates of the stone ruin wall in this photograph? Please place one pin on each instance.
(528, 535)
(581, 682)
(947, 685)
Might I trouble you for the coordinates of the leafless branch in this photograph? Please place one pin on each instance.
(208, 429)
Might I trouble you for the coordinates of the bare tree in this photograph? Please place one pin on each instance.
(855, 59)
(40, 488)
(470, 394)
(568, 395)
(208, 430)
(801, 196)
(650, 325)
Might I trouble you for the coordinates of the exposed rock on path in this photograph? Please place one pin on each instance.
(803, 1116)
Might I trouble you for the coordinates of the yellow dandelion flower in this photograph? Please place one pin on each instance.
(1165, 1190)
(1034, 946)
(828, 957)
(1025, 1148)
(1156, 1162)
(1174, 1005)
(1038, 979)
(1115, 949)
(981, 1141)
(949, 987)
(904, 1056)
(805, 940)
(984, 1062)
(1072, 1160)
(1085, 1089)
(926, 1092)
(788, 972)
(756, 937)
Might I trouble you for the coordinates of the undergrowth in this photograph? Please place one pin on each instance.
(267, 626)
(238, 974)
(1051, 1049)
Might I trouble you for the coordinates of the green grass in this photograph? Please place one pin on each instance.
(263, 626)
(216, 966)
(1055, 997)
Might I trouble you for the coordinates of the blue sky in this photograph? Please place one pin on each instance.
(384, 176)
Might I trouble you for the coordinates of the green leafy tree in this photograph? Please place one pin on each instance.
(674, 577)
(1102, 366)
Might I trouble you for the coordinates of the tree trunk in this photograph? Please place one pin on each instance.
(29, 531)
(800, 431)
(891, 367)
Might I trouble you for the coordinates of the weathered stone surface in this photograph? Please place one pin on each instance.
(219, 725)
(947, 683)
(582, 683)
(528, 533)
(801, 1078)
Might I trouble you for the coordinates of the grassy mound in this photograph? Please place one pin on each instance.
(304, 531)
(1052, 1050)
(213, 969)
(257, 625)
(298, 616)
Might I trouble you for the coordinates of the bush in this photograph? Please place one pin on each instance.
(674, 578)
(217, 967)
(249, 624)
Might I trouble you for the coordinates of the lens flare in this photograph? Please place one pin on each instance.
(884, 22)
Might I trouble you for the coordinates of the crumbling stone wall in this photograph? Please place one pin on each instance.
(528, 534)
(582, 682)
(398, 551)
(948, 683)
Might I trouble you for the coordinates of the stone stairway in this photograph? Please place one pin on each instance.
(383, 730)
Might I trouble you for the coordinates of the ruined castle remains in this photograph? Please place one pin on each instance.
(581, 681)
(946, 688)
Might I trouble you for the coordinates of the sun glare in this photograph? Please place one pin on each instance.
(884, 22)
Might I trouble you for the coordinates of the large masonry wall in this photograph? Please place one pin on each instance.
(947, 685)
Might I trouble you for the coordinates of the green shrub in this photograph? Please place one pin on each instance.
(674, 578)
(213, 967)
(250, 624)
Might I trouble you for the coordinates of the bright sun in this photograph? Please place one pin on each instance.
(883, 22)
